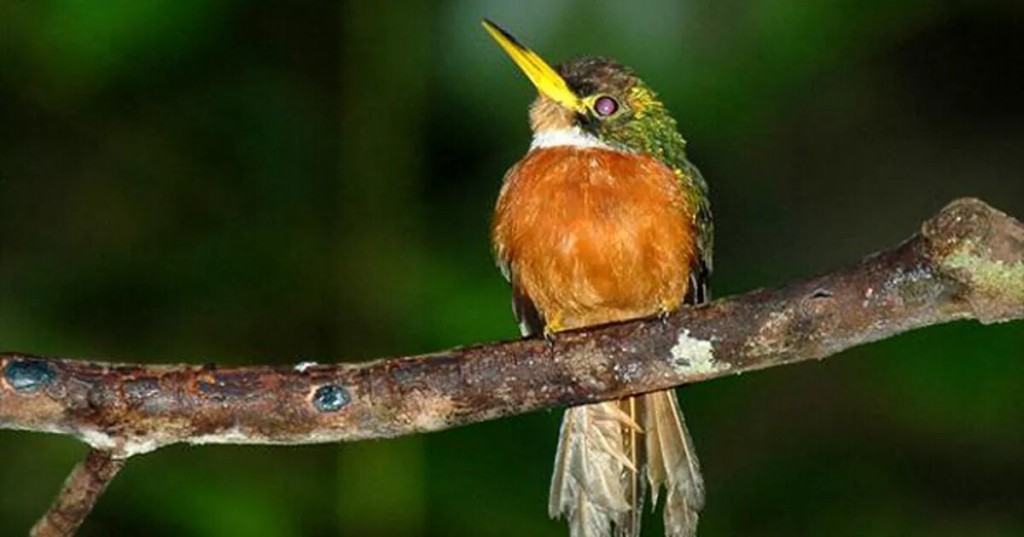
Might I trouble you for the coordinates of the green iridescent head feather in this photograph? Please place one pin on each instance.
(638, 120)
(624, 112)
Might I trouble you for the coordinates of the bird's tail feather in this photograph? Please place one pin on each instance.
(604, 452)
(672, 463)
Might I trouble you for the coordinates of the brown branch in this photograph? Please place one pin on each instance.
(967, 262)
(81, 490)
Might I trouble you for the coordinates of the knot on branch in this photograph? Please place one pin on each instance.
(29, 375)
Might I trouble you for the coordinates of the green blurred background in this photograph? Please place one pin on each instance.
(268, 182)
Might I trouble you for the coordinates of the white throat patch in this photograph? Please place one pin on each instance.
(573, 137)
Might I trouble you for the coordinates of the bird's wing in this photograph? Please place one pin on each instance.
(699, 291)
(531, 323)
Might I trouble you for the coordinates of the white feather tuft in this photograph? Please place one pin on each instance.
(574, 137)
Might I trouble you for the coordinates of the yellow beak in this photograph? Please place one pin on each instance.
(546, 79)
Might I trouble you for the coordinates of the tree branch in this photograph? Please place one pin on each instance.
(81, 490)
(967, 262)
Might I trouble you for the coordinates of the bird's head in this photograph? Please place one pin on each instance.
(594, 101)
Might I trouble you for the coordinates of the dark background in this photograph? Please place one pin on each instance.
(269, 182)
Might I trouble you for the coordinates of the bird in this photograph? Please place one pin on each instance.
(603, 220)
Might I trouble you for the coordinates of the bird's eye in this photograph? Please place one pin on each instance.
(606, 106)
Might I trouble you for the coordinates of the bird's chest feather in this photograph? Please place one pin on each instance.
(593, 235)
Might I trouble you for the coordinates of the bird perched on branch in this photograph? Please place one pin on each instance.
(604, 220)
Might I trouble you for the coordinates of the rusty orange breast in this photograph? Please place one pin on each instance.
(594, 235)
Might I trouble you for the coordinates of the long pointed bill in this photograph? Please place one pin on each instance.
(546, 79)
